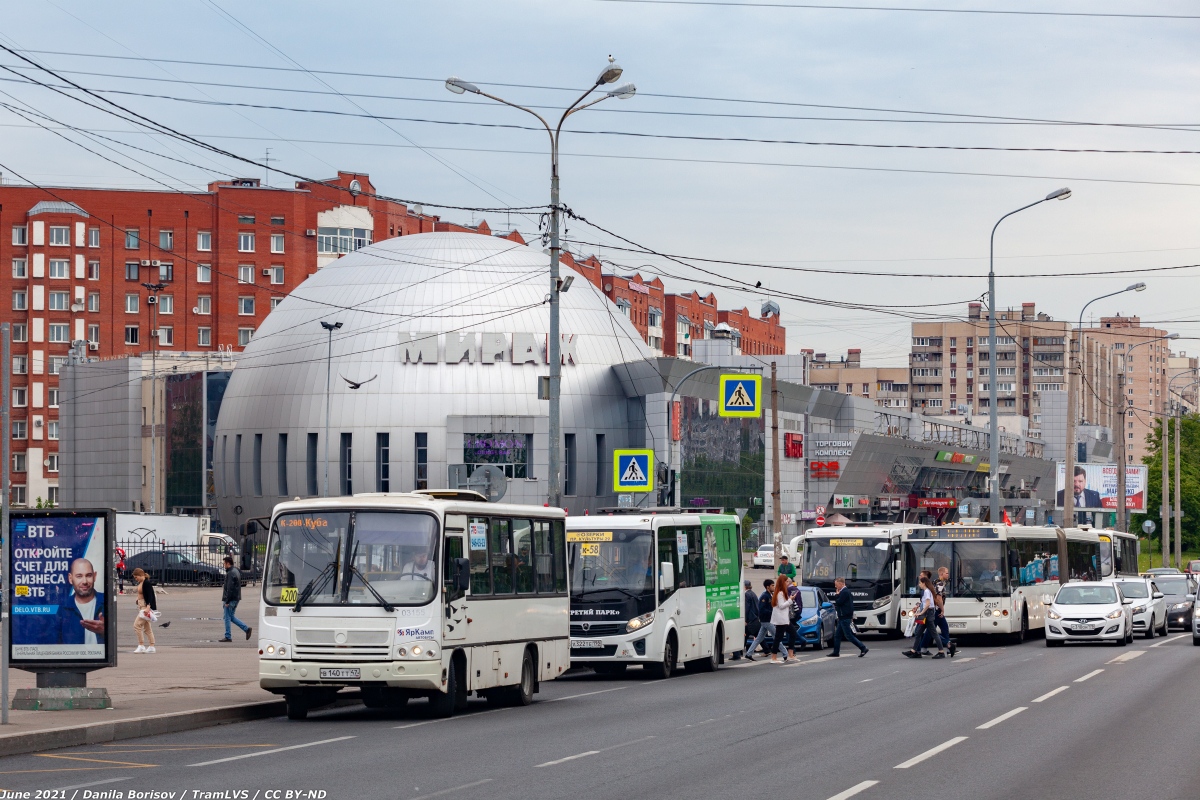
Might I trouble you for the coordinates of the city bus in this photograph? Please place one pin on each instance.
(656, 590)
(1118, 553)
(429, 594)
(1002, 577)
(869, 560)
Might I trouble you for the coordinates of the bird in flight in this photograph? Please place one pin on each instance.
(354, 385)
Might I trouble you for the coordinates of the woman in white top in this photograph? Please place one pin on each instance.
(781, 615)
(927, 611)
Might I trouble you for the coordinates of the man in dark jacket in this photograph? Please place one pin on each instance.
(843, 601)
(231, 595)
(764, 601)
(750, 601)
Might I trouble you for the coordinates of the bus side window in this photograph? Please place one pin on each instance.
(523, 552)
(694, 561)
(500, 550)
(559, 542)
(544, 554)
(481, 576)
(453, 550)
(666, 553)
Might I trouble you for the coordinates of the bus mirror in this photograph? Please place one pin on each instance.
(251, 527)
(666, 575)
(462, 574)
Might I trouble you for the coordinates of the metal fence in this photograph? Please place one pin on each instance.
(186, 564)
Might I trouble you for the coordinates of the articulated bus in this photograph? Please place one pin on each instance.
(431, 595)
(1118, 553)
(655, 590)
(1002, 578)
(868, 558)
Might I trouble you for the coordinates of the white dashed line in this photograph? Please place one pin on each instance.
(853, 790)
(1091, 674)
(1168, 641)
(452, 789)
(1007, 715)
(1050, 694)
(270, 752)
(930, 753)
(585, 694)
(593, 752)
(1126, 657)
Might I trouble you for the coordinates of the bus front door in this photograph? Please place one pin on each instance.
(454, 627)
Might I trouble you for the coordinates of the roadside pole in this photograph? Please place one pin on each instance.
(1178, 509)
(775, 513)
(1073, 363)
(6, 365)
(1119, 428)
(1164, 450)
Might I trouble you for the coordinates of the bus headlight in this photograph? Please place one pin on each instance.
(417, 650)
(273, 650)
(881, 602)
(637, 623)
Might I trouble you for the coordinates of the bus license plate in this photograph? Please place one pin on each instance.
(582, 644)
(957, 624)
(342, 673)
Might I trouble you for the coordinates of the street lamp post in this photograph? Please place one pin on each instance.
(993, 415)
(1119, 407)
(154, 289)
(609, 74)
(1165, 452)
(1072, 392)
(330, 327)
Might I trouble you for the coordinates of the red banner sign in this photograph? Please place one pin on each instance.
(793, 445)
(824, 469)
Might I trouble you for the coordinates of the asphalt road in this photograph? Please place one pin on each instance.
(997, 722)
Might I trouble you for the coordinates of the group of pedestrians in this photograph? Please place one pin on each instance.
(776, 611)
(147, 605)
(930, 623)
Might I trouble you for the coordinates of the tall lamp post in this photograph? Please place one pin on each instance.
(609, 74)
(993, 415)
(1165, 449)
(1074, 368)
(1119, 409)
(154, 289)
(330, 327)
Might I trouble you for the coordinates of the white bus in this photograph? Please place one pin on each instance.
(868, 558)
(1002, 577)
(655, 590)
(431, 595)
(1118, 553)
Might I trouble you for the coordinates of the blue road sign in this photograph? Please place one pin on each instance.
(633, 470)
(741, 396)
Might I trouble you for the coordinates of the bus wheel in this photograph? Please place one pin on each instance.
(455, 697)
(1023, 633)
(711, 663)
(666, 668)
(522, 693)
(297, 706)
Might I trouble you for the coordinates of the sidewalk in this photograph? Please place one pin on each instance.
(190, 676)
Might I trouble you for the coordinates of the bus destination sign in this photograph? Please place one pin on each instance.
(956, 532)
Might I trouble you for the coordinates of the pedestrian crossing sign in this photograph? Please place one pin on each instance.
(741, 396)
(633, 470)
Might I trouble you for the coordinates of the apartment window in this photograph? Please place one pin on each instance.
(60, 301)
(53, 465)
(935, 403)
(52, 401)
(166, 304)
(19, 430)
(166, 336)
(131, 270)
(20, 365)
(310, 465)
(19, 462)
(383, 462)
(275, 301)
(131, 334)
(93, 237)
(203, 273)
(244, 336)
(60, 235)
(346, 464)
(342, 240)
(281, 465)
(204, 304)
(204, 241)
(59, 332)
(276, 242)
(277, 275)
(245, 242)
(204, 337)
(256, 467)
(166, 240)
(133, 303)
(920, 341)
(93, 301)
(18, 496)
(93, 334)
(569, 464)
(654, 318)
(246, 306)
(245, 219)
(132, 242)
(166, 271)
(20, 396)
(246, 273)
(237, 465)
(602, 466)
(20, 235)
(422, 461)
(60, 269)
(20, 268)
(20, 300)
(56, 364)
(277, 220)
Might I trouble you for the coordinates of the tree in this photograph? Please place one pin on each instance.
(1189, 482)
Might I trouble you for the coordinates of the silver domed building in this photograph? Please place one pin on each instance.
(434, 371)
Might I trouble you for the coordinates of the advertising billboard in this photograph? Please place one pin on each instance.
(60, 596)
(1095, 487)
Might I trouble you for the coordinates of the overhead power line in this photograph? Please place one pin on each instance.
(906, 9)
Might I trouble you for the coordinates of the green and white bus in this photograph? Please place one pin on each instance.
(655, 590)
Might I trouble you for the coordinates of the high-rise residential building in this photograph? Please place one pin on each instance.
(1184, 390)
(887, 386)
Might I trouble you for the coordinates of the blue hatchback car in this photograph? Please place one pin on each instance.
(816, 624)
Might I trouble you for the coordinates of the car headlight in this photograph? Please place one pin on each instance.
(1179, 606)
(1116, 613)
(1052, 614)
(811, 622)
(1138, 609)
(881, 602)
(637, 623)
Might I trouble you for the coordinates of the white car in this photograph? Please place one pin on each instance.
(1149, 605)
(1089, 611)
(764, 556)
(1196, 629)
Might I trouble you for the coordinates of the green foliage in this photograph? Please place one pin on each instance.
(1189, 451)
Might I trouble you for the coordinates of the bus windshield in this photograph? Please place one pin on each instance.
(976, 567)
(611, 563)
(857, 558)
(352, 558)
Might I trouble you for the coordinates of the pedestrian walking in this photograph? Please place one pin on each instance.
(750, 601)
(782, 617)
(143, 622)
(843, 601)
(767, 620)
(927, 613)
(942, 584)
(787, 568)
(231, 595)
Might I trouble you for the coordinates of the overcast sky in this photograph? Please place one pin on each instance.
(791, 205)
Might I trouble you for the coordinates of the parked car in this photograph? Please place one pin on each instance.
(172, 567)
(764, 556)
(1089, 611)
(1149, 605)
(1196, 630)
(817, 620)
(1180, 591)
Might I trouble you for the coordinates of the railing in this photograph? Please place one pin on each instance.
(186, 564)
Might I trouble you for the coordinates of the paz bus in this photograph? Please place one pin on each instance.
(1002, 577)
(430, 594)
(655, 590)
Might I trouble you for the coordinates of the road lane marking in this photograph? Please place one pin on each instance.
(269, 752)
(95, 760)
(1007, 715)
(1168, 641)
(1127, 657)
(452, 789)
(964, 660)
(593, 752)
(853, 790)
(92, 783)
(471, 715)
(585, 694)
(1050, 694)
(1091, 674)
(930, 753)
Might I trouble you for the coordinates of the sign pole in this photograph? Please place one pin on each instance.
(5, 626)
(776, 525)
